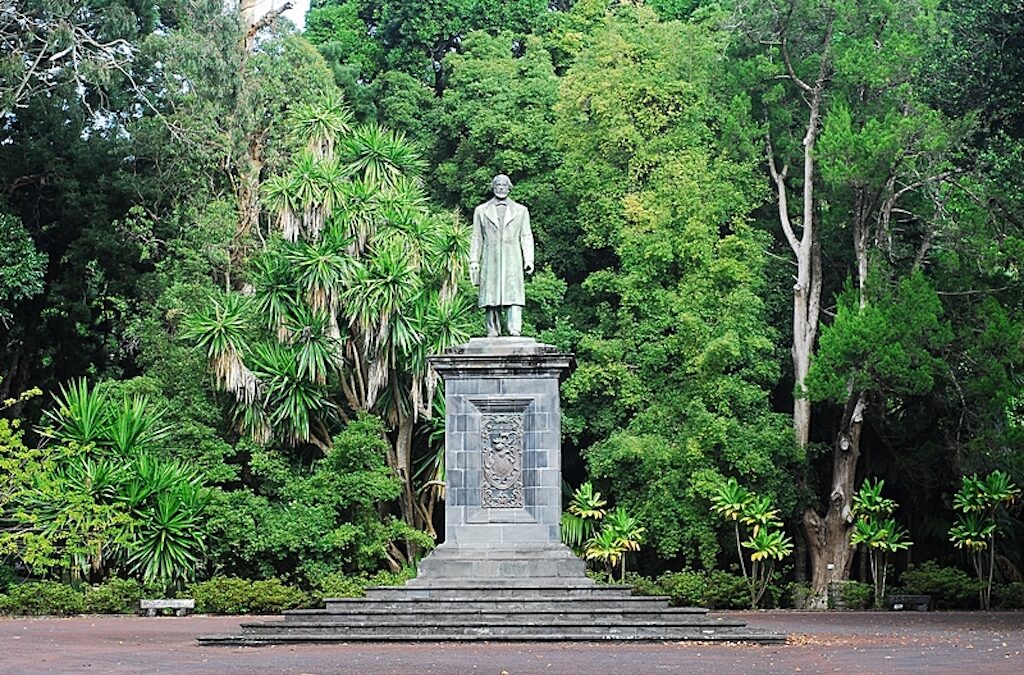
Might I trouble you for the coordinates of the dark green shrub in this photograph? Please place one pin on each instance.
(116, 596)
(338, 585)
(388, 578)
(221, 595)
(949, 587)
(602, 577)
(231, 595)
(851, 595)
(270, 596)
(41, 598)
(797, 594)
(7, 577)
(1009, 596)
(715, 590)
(685, 588)
(645, 585)
(726, 591)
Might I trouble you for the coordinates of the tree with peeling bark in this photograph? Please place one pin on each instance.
(875, 166)
(48, 44)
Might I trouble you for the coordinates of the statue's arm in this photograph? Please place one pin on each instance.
(526, 242)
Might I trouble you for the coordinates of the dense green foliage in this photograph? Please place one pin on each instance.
(226, 261)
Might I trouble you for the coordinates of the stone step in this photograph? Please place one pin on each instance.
(483, 592)
(451, 616)
(659, 634)
(507, 605)
(413, 627)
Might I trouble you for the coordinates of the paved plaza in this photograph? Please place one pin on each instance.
(845, 642)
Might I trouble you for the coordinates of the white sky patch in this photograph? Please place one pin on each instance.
(297, 14)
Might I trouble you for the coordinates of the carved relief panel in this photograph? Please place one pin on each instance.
(502, 460)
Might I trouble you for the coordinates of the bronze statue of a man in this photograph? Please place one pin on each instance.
(500, 254)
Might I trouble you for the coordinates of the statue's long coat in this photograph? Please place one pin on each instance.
(502, 250)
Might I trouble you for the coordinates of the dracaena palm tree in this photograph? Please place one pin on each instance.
(381, 156)
(627, 530)
(293, 402)
(221, 329)
(318, 126)
(352, 304)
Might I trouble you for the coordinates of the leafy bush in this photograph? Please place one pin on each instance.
(851, 595)
(684, 589)
(949, 587)
(716, 589)
(270, 596)
(41, 598)
(231, 595)
(7, 577)
(726, 591)
(117, 596)
(1009, 596)
(644, 585)
(221, 595)
(797, 594)
(339, 585)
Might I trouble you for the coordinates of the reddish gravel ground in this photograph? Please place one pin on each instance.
(849, 642)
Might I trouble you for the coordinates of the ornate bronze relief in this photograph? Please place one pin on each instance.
(502, 450)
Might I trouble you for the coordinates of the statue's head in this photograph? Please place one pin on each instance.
(501, 185)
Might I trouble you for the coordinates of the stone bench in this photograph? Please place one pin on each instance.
(919, 603)
(181, 606)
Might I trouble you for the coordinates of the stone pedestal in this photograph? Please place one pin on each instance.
(502, 463)
(502, 572)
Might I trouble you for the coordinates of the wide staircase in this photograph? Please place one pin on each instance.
(538, 609)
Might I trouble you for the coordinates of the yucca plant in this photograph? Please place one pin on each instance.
(291, 400)
(221, 329)
(877, 532)
(168, 501)
(979, 502)
(581, 519)
(360, 273)
(380, 156)
(765, 541)
(316, 351)
(136, 425)
(81, 414)
(318, 126)
(627, 530)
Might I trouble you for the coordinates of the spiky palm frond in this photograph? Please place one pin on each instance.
(81, 413)
(276, 291)
(136, 425)
(320, 270)
(381, 156)
(333, 179)
(448, 251)
(278, 196)
(221, 329)
(291, 400)
(319, 125)
(316, 351)
(358, 212)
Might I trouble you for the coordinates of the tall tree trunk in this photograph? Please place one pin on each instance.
(806, 248)
(828, 538)
(247, 194)
(407, 502)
